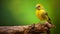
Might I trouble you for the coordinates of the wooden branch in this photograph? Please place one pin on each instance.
(29, 29)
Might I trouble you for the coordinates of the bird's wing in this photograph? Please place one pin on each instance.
(45, 16)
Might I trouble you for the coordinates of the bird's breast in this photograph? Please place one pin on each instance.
(39, 14)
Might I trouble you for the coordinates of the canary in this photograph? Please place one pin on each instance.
(42, 14)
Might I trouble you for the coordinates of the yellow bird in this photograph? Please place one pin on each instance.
(42, 14)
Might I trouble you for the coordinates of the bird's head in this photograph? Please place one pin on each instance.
(39, 6)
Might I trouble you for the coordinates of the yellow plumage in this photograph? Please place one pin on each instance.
(41, 13)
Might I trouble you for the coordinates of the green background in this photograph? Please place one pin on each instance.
(22, 12)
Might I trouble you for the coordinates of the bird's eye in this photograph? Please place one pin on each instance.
(38, 6)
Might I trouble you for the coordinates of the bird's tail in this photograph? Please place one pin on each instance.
(49, 20)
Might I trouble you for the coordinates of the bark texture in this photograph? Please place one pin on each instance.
(28, 29)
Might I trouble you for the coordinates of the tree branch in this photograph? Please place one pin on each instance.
(29, 29)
